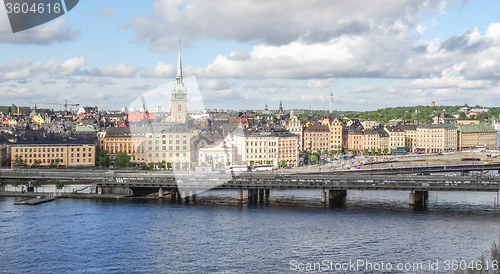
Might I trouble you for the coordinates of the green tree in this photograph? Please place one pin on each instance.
(185, 165)
(340, 151)
(151, 165)
(59, 185)
(366, 151)
(236, 163)
(194, 164)
(268, 162)
(373, 151)
(18, 161)
(36, 163)
(122, 159)
(386, 150)
(219, 164)
(169, 165)
(260, 162)
(333, 152)
(36, 184)
(313, 158)
(143, 166)
(283, 163)
(379, 151)
(15, 184)
(252, 162)
(13, 109)
(160, 165)
(103, 158)
(461, 115)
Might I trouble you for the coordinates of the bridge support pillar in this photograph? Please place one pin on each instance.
(419, 198)
(336, 197)
(193, 195)
(239, 195)
(266, 192)
(412, 198)
(186, 196)
(255, 195)
(250, 194)
(323, 196)
(173, 194)
(160, 193)
(179, 197)
(261, 194)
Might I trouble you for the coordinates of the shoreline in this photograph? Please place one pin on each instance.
(64, 195)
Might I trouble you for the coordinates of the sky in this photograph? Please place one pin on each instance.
(249, 54)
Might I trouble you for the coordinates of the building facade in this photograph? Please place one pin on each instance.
(479, 135)
(58, 152)
(432, 138)
(317, 137)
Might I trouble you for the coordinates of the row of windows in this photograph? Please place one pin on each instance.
(169, 148)
(157, 142)
(169, 136)
(39, 150)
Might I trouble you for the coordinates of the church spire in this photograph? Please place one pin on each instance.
(178, 78)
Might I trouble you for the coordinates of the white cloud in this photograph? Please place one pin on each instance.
(161, 70)
(275, 22)
(224, 95)
(361, 101)
(214, 84)
(316, 83)
(121, 70)
(269, 86)
(14, 91)
(69, 66)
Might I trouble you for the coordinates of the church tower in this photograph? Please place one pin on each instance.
(179, 94)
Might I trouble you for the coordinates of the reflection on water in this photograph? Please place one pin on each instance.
(217, 234)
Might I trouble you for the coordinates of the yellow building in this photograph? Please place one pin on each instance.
(433, 138)
(396, 137)
(473, 136)
(371, 140)
(317, 137)
(335, 126)
(58, 152)
(267, 147)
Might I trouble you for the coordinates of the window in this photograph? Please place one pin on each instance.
(179, 108)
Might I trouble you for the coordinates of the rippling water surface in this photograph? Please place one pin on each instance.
(217, 235)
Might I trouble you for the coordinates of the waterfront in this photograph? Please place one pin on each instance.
(218, 235)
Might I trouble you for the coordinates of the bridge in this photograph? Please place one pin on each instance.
(185, 185)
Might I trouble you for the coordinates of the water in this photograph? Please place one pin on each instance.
(216, 235)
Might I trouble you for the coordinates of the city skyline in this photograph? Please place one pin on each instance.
(246, 57)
